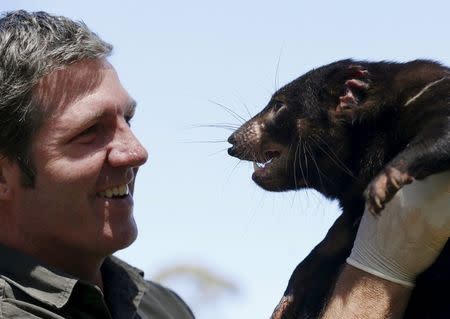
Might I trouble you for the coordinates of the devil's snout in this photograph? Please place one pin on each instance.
(232, 141)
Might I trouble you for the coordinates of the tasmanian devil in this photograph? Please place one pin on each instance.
(355, 131)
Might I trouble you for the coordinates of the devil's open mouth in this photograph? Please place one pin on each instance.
(269, 158)
(270, 164)
(270, 172)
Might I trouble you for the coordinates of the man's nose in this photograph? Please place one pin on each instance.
(126, 150)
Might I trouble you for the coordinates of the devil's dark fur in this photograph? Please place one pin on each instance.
(357, 132)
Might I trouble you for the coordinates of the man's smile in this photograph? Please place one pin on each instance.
(117, 191)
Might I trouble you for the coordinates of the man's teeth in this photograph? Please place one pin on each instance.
(261, 165)
(115, 191)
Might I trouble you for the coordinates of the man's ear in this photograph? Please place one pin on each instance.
(8, 178)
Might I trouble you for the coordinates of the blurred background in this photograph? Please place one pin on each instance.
(226, 246)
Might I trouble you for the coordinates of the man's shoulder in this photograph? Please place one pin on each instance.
(162, 301)
(156, 301)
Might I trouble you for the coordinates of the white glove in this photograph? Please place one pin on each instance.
(410, 233)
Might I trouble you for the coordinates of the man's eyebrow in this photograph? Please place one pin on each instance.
(92, 117)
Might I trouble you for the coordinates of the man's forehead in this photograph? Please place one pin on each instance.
(70, 83)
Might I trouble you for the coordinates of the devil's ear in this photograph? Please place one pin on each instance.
(356, 85)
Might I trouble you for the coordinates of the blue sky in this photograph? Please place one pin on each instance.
(195, 204)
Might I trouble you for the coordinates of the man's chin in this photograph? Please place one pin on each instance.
(121, 237)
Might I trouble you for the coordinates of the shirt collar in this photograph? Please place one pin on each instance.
(124, 287)
(50, 286)
(124, 284)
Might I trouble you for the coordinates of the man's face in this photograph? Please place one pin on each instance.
(85, 157)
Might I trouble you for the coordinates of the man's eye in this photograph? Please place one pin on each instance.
(88, 135)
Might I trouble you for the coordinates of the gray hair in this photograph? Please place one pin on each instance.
(33, 45)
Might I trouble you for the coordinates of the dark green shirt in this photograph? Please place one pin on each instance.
(30, 290)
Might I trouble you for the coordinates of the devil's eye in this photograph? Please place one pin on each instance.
(128, 119)
(278, 105)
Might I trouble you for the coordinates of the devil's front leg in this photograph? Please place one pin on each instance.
(314, 277)
(428, 153)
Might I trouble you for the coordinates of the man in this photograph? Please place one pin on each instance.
(67, 169)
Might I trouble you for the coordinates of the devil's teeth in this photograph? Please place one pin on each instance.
(115, 191)
(257, 165)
